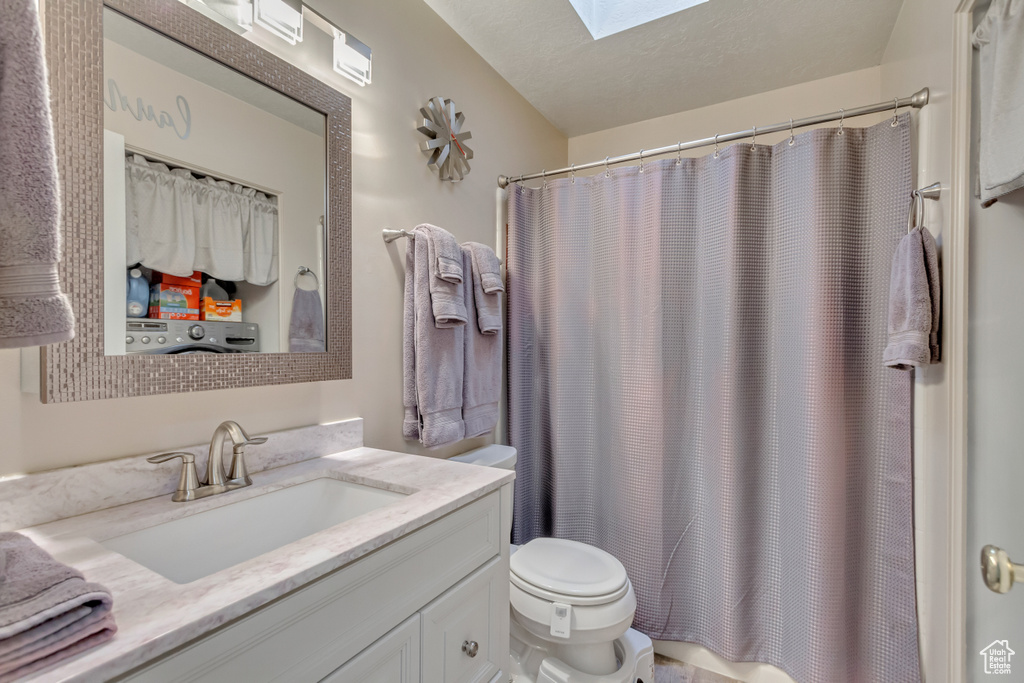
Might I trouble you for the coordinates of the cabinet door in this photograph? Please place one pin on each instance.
(395, 658)
(465, 631)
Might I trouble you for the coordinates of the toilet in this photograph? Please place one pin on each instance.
(571, 608)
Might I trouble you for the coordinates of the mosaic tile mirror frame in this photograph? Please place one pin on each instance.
(79, 370)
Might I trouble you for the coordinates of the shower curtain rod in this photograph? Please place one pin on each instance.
(917, 100)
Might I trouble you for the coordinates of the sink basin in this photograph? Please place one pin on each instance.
(190, 548)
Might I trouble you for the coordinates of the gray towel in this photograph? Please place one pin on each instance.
(481, 386)
(445, 264)
(33, 310)
(306, 329)
(433, 356)
(48, 612)
(914, 303)
(487, 287)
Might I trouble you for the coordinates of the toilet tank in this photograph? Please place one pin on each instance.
(496, 455)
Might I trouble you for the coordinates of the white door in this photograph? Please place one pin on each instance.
(995, 456)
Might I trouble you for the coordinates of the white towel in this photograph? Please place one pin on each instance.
(33, 310)
(999, 38)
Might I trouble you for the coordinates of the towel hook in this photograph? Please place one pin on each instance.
(753, 138)
(679, 153)
(716, 145)
(641, 161)
(842, 118)
(791, 139)
(303, 270)
(572, 173)
(895, 109)
(607, 173)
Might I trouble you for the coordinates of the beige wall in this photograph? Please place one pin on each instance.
(416, 56)
(806, 99)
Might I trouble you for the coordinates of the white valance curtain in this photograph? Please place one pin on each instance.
(178, 223)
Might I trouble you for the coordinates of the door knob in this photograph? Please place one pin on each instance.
(470, 647)
(998, 571)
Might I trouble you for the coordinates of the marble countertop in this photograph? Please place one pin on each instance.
(155, 615)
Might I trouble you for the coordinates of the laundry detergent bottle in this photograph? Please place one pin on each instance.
(138, 294)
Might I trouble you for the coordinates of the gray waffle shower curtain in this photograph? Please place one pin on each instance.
(696, 386)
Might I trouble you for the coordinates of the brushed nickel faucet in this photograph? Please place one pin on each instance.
(189, 486)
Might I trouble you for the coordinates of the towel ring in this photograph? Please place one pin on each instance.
(915, 218)
(303, 270)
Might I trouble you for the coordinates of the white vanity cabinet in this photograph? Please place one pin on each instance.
(431, 606)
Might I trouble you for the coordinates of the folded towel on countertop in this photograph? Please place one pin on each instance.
(445, 267)
(33, 310)
(487, 287)
(48, 612)
(432, 356)
(481, 389)
(306, 329)
(915, 303)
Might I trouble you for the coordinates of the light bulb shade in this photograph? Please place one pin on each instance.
(232, 14)
(352, 58)
(283, 18)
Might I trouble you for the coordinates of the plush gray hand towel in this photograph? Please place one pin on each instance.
(445, 266)
(306, 329)
(33, 310)
(433, 357)
(914, 303)
(487, 287)
(48, 612)
(481, 385)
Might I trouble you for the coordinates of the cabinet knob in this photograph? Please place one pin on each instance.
(471, 647)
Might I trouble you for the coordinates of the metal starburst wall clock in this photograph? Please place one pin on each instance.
(446, 140)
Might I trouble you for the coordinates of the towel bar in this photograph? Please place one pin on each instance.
(392, 235)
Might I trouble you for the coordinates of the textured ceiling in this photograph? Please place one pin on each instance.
(711, 53)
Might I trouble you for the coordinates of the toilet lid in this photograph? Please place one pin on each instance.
(568, 569)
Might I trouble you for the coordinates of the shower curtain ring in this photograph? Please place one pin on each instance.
(791, 139)
(842, 117)
(679, 153)
(753, 138)
(572, 173)
(895, 109)
(641, 161)
(543, 177)
(716, 145)
(607, 174)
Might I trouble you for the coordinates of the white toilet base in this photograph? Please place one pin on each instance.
(534, 661)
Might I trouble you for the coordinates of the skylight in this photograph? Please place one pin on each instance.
(605, 17)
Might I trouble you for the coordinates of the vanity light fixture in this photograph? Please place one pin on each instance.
(283, 18)
(232, 14)
(352, 57)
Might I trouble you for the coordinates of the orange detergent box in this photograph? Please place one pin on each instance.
(174, 302)
(193, 280)
(226, 311)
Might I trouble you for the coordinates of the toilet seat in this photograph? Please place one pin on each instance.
(568, 572)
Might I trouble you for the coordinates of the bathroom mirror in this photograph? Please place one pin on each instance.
(205, 181)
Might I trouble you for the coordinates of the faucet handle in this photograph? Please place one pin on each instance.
(188, 482)
(239, 472)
